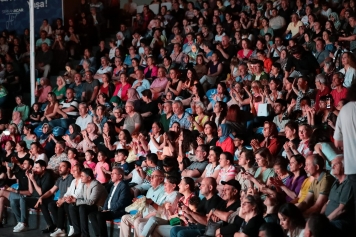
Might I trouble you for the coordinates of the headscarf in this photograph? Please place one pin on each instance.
(134, 94)
(44, 136)
(337, 22)
(226, 132)
(119, 42)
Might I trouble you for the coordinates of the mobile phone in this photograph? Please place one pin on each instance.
(6, 132)
(38, 80)
(328, 102)
(10, 165)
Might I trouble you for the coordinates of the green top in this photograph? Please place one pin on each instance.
(3, 92)
(165, 122)
(60, 92)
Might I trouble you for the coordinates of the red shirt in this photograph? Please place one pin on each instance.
(267, 64)
(319, 94)
(338, 95)
(227, 145)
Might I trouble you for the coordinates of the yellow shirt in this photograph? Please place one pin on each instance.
(305, 189)
(202, 122)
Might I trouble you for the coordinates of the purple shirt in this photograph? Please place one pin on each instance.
(295, 186)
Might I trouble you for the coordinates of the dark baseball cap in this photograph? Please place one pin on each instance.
(234, 183)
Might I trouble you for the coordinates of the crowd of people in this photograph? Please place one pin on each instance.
(210, 118)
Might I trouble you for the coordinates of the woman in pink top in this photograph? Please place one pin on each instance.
(101, 167)
(42, 92)
(122, 87)
(151, 70)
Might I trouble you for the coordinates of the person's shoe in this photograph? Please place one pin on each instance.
(58, 232)
(74, 235)
(48, 230)
(71, 230)
(16, 226)
(20, 228)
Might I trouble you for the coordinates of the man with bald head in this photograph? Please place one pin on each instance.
(320, 188)
(340, 207)
(133, 120)
(225, 52)
(209, 202)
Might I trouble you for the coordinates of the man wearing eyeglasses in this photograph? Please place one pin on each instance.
(196, 169)
(155, 197)
(340, 206)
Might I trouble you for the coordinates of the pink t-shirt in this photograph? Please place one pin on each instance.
(100, 176)
(91, 165)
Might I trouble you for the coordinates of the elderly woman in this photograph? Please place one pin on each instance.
(198, 122)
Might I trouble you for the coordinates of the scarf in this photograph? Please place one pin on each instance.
(226, 132)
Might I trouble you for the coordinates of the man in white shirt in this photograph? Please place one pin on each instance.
(105, 68)
(276, 22)
(68, 109)
(84, 119)
(345, 136)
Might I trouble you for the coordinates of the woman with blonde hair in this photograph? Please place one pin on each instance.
(12, 135)
(60, 89)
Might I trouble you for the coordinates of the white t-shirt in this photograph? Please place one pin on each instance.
(345, 130)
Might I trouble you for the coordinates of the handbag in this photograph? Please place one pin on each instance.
(263, 110)
(174, 221)
(211, 228)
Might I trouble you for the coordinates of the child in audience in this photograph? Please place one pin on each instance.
(134, 175)
(101, 168)
(238, 144)
(35, 115)
(120, 161)
(89, 157)
(72, 156)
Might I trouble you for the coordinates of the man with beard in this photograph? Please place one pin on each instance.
(7, 196)
(40, 181)
(57, 210)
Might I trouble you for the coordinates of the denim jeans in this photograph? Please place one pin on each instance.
(186, 231)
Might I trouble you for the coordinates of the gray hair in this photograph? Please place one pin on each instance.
(178, 102)
(321, 78)
(200, 104)
(87, 61)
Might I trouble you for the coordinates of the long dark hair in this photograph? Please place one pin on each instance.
(295, 216)
(319, 135)
(223, 113)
